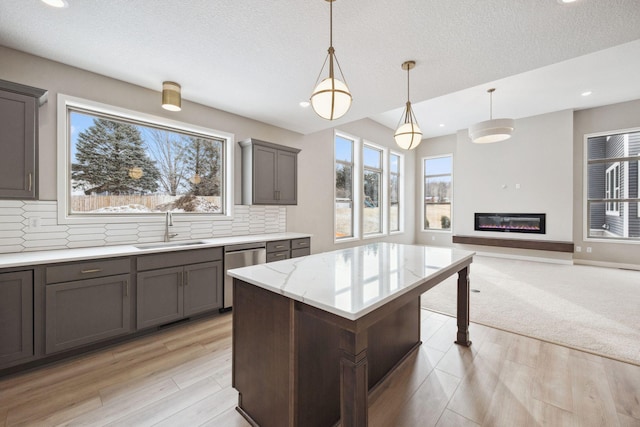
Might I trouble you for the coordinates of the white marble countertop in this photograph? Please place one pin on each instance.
(20, 259)
(353, 282)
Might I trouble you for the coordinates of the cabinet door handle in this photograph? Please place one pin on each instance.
(181, 281)
(126, 288)
(186, 282)
(30, 181)
(91, 270)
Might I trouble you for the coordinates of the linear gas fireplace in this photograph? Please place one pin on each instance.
(511, 222)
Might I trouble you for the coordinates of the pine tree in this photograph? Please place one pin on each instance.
(111, 158)
(203, 157)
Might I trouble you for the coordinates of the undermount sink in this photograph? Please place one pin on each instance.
(169, 244)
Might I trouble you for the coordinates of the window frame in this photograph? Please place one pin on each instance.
(67, 103)
(587, 202)
(400, 175)
(355, 210)
(383, 188)
(423, 192)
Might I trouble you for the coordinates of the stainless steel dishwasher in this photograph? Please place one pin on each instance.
(236, 256)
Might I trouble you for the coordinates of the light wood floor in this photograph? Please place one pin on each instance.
(182, 377)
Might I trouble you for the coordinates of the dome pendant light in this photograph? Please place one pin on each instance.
(331, 98)
(408, 135)
(492, 130)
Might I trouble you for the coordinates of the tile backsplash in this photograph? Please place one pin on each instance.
(33, 225)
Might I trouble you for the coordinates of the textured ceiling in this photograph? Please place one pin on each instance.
(259, 58)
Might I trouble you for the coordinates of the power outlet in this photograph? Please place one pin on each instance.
(578, 248)
(433, 237)
(588, 249)
(34, 222)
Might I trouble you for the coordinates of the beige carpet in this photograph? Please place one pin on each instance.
(589, 308)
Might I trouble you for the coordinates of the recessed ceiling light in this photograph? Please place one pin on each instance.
(304, 104)
(441, 125)
(587, 93)
(566, 1)
(56, 3)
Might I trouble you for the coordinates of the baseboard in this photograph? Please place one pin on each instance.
(526, 258)
(607, 264)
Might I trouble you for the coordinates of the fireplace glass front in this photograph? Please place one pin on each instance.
(511, 222)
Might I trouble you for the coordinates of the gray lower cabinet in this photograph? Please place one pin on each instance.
(86, 311)
(284, 249)
(168, 294)
(16, 316)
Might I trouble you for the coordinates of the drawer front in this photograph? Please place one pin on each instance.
(176, 258)
(295, 253)
(301, 243)
(72, 271)
(278, 246)
(278, 256)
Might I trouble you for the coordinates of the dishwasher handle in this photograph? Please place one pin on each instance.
(244, 247)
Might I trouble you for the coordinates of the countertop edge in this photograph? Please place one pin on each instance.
(33, 258)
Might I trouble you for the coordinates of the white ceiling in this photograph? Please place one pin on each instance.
(260, 58)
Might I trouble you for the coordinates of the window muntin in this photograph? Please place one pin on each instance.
(437, 193)
(372, 189)
(394, 192)
(118, 165)
(611, 186)
(344, 203)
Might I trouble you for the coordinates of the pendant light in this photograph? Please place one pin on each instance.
(492, 130)
(331, 98)
(171, 99)
(408, 135)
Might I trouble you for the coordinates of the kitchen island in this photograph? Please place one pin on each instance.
(313, 336)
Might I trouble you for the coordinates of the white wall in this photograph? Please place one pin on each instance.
(539, 157)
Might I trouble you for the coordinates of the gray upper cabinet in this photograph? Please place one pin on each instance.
(269, 173)
(19, 140)
(16, 316)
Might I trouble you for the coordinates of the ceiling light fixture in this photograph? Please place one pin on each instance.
(56, 3)
(171, 99)
(408, 135)
(587, 93)
(492, 130)
(331, 98)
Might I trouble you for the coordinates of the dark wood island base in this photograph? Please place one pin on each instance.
(298, 365)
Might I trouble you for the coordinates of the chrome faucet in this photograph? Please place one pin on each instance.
(168, 223)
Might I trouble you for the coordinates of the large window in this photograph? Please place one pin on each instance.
(368, 192)
(613, 202)
(124, 164)
(437, 191)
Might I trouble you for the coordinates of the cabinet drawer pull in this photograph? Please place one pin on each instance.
(279, 255)
(279, 246)
(91, 270)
